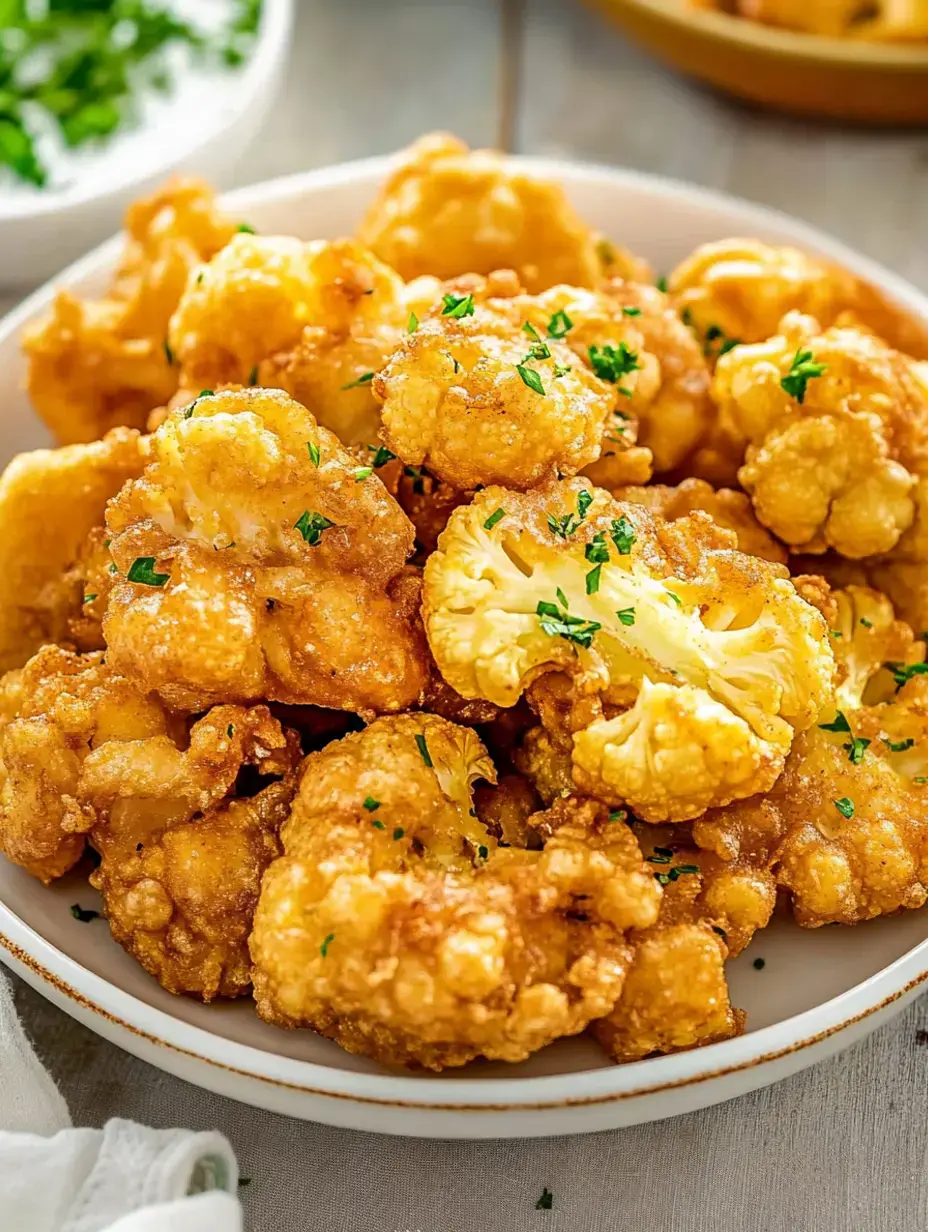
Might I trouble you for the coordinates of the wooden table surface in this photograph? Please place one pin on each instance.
(839, 1148)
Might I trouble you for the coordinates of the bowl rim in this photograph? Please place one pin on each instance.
(270, 45)
(90, 992)
(780, 43)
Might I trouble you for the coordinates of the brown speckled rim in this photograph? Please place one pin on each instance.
(22, 958)
(43, 964)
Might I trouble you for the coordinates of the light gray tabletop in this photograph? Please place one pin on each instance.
(841, 1148)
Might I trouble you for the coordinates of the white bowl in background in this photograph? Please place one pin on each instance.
(818, 991)
(40, 232)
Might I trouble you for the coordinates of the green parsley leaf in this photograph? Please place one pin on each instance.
(362, 473)
(557, 623)
(623, 535)
(313, 452)
(494, 518)
(482, 853)
(658, 859)
(562, 371)
(457, 306)
(311, 526)
(903, 672)
(802, 370)
(676, 598)
(412, 324)
(867, 624)
(398, 833)
(245, 228)
(424, 750)
(845, 807)
(545, 1201)
(631, 312)
(382, 455)
(142, 571)
(324, 948)
(626, 616)
(661, 285)
(371, 804)
(611, 363)
(597, 550)
(378, 825)
(856, 747)
(584, 500)
(898, 746)
(560, 325)
(618, 815)
(921, 778)
(561, 597)
(89, 598)
(838, 724)
(662, 879)
(592, 580)
(168, 353)
(365, 379)
(530, 378)
(717, 343)
(683, 870)
(84, 914)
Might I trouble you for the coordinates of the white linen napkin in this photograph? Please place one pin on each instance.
(121, 1178)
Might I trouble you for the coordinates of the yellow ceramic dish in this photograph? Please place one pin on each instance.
(874, 83)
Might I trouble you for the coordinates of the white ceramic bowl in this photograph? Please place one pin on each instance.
(40, 233)
(818, 991)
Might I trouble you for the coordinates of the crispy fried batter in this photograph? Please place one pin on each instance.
(97, 364)
(267, 575)
(834, 463)
(314, 319)
(427, 943)
(50, 501)
(707, 659)
(447, 210)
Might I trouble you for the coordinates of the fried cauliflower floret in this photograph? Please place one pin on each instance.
(412, 946)
(50, 501)
(845, 828)
(96, 364)
(256, 560)
(181, 856)
(706, 661)
(54, 713)
(727, 508)
(743, 288)
(447, 210)
(476, 400)
(314, 319)
(836, 426)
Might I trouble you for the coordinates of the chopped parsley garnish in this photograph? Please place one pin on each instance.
(545, 1201)
(845, 807)
(618, 815)
(559, 623)
(142, 571)
(802, 370)
(759, 964)
(903, 672)
(680, 870)
(382, 455)
(676, 598)
(482, 853)
(597, 550)
(412, 324)
(561, 597)
(661, 285)
(230, 730)
(856, 747)
(378, 825)
(626, 616)
(838, 724)
(867, 624)
(362, 473)
(921, 778)
(371, 804)
(313, 452)
(592, 580)
(584, 500)
(204, 393)
(311, 526)
(562, 527)
(836, 633)
(540, 350)
(168, 353)
(623, 535)
(324, 948)
(89, 598)
(245, 228)
(494, 518)
(561, 371)
(611, 363)
(458, 306)
(84, 914)
(253, 376)
(659, 859)
(898, 746)
(631, 312)
(365, 379)
(717, 342)
(424, 750)
(530, 378)
(398, 833)
(559, 325)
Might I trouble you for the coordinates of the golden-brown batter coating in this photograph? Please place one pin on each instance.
(97, 364)
(256, 560)
(50, 501)
(425, 942)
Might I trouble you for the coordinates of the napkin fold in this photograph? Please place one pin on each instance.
(121, 1178)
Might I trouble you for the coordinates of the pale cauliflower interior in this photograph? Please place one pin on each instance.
(722, 661)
